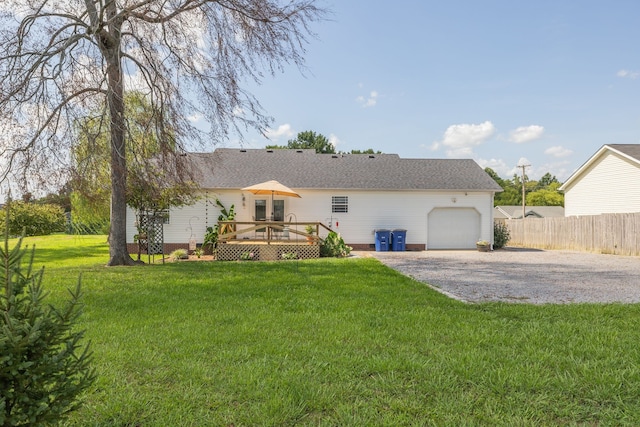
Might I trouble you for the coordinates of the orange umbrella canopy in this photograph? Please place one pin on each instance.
(271, 187)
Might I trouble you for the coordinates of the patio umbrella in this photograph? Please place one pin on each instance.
(271, 187)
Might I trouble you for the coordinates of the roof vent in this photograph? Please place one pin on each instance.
(243, 150)
(372, 157)
(335, 156)
(269, 151)
(299, 151)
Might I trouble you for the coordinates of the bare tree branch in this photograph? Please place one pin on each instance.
(61, 61)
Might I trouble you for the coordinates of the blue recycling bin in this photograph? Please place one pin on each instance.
(398, 237)
(383, 240)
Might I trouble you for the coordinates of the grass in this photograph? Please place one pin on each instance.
(335, 342)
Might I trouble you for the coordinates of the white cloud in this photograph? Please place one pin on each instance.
(334, 140)
(371, 101)
(558, 168)
(284, 130)
(498, 165)
(628, 74)
(558, 151)
(526, 134)
(460, 139)
(507, 170)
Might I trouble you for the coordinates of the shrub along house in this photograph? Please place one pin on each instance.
(441, 203)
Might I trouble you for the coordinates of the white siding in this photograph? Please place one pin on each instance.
(368, 211)
(190, 219)
(610, 185)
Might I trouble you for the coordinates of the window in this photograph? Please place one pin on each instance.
(278, 210)
(157, 213)
(164, 213)
(260, 213)
(339, 204)
(260, 210)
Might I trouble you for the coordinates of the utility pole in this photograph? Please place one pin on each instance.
(523, 194)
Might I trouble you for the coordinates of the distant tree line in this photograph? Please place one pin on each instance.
(317, 141)
(543, 192)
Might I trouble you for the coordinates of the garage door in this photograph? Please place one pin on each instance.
(453, 228)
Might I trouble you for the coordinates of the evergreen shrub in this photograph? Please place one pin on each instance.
(43, 366)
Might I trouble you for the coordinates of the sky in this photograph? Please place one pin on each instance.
(504, 82)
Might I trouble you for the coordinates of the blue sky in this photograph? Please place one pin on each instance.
(497, 81)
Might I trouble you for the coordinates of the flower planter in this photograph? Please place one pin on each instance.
(483, 248)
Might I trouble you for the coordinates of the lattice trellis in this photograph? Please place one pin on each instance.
(153, 225)
(273, 252)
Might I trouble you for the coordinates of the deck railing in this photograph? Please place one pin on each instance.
(269, 231)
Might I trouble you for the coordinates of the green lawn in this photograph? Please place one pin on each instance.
(334, 342)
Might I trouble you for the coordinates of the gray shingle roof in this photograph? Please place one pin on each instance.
(304, 169)
(512, 211)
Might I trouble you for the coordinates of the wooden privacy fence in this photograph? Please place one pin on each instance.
(608, 233)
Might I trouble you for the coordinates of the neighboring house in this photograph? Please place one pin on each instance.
(514, 212)
(606, 183)
(441, 203)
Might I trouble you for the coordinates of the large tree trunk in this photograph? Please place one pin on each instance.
(118, 253)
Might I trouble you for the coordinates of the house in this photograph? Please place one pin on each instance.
(606, 183)
(514, 212)
(441, 203)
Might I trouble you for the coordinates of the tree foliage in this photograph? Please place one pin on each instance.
(543, 192)
(545, 197)
(511, 190)
(317, 141)
(32, 219)
(62, 60)
(308, 139)
(367, 151)
(44, 367)
(546, 181)
(148, 185)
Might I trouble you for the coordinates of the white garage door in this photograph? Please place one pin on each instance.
(453, 228)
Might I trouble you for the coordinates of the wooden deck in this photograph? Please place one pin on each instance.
(268, 240)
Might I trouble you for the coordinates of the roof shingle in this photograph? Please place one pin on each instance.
(304, 169)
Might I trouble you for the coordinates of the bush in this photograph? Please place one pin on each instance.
(43, 368)
(33, 219)
(210, 238)
(501, 235)
(334, 246)
(179, 254)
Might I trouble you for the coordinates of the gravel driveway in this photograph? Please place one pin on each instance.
(522, 275)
